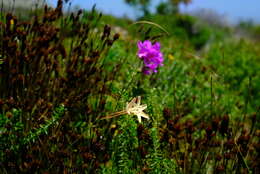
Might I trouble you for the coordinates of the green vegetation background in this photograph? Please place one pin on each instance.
(203, 103)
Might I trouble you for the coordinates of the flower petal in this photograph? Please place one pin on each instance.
(151, 56)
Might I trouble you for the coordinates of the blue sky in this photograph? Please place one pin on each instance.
(234, 9)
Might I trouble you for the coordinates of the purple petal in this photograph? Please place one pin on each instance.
(146, 71)
(157, 46)
(140, 45)
(151, 56)
(147, 44)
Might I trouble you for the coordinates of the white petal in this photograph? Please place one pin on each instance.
(139, 118)
(138, 100)
(142, 114)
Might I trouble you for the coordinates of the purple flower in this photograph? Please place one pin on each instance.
(151, 56)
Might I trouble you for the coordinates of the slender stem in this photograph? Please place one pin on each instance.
(243, 159)
(174, 96)
(211, 94)
(116, 114)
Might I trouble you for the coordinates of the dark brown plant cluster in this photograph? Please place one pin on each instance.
(65, 152)
(218, 146)
(144, 140)
(39, 71)
(55, 59)
(145, 143)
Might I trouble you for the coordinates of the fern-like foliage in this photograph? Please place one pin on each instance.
(156, 161)
(124, 155)
(11, 129)
(43, 128)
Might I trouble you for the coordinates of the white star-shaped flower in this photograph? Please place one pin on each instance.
(134, 107)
